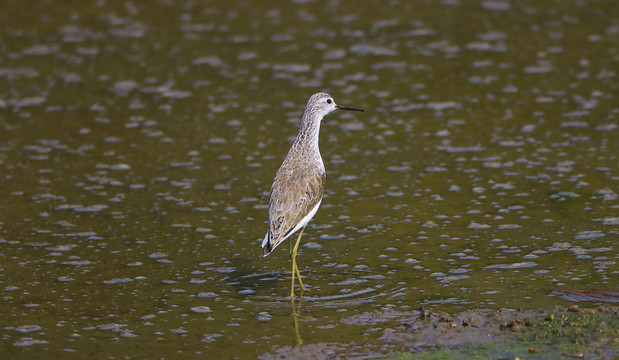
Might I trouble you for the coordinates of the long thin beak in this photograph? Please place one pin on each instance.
(346, 108)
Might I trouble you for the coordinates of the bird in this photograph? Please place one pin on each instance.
(299, 184)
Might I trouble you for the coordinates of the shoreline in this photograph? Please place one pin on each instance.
(566, 332)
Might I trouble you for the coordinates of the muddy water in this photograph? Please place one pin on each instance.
(138, 143)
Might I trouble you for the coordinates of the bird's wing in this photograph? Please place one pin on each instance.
(295, 192)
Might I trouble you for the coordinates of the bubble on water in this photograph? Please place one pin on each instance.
(429, 224)
(207, 294)
(450, 278)
(375, 50)
(602, 249)
(64, 223)
(435, 169)
(582, 235)
(111, 327)
(398, 168)
(225, 270)
(443, 105)
(179, 330)
(574, 124)
(475, 225)
(509, 226)
(373, 277)
(461, 149)
(175, 94)
(606, 127)
(493, 164)
(352, 126)
(82, 208)
(607, 194)
(120, 167)
(201, 309)
(263, 316)
(57, 248)
(538, 69)
(117, 281)
(27, 341)
(334, 54)
(28, 328)
(81, 234)
(332, 237)
(209, 338)
(459, 271)
(77, 262)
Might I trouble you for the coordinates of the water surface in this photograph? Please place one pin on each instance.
(138, 143)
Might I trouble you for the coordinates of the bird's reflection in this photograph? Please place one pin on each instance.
(296, 314)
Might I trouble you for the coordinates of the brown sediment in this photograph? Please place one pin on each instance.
(549, 332)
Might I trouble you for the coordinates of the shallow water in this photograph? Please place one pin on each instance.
(138, 145)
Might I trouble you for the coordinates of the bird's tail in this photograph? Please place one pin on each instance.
(267, 247)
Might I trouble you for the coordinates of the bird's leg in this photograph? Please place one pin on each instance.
(296, 247)
(295, 268)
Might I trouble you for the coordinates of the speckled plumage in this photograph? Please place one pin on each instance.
(296, 191)
(299, 183)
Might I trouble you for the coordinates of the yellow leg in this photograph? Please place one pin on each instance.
(296, 247)
(295, 268)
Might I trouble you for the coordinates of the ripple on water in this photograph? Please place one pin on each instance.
(117, 281)
(111, 327)
(207, 294)
(82, 208)
(512, 266)
(28, 341)
(173, 155)
(28, 328)
(264, 316)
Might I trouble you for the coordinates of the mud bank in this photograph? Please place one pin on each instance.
(548, 333)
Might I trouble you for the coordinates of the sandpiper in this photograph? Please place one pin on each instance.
(299, 183)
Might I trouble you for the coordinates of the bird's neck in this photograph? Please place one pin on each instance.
(307, 140)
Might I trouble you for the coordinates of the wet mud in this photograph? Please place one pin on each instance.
(548, 333)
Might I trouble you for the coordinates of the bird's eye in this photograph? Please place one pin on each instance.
(329, 101)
